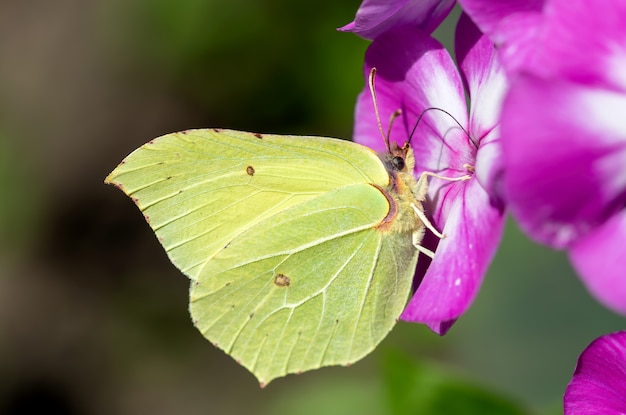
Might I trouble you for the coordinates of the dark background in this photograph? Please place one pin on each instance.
(93, 317)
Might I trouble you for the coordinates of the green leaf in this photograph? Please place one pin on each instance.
(335, 394)
(417, 388)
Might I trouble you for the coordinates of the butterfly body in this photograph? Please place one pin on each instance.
(300, 250)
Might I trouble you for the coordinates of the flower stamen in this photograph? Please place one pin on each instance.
(392, 118)
(469, 168)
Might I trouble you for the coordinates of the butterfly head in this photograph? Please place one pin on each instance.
(398, 159)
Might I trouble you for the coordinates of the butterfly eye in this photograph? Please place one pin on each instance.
(398, 163)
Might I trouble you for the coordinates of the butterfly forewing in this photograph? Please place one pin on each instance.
(201, 188)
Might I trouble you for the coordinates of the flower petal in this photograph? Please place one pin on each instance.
(483, 75)
(564, 147)
(599, 260)
(512, 25)
(473, 227)
(598, 386)
(584, 43)
(375, 17)
(516, 39)
(441, 327)
(491, 15)
(487, 84)
(415, 72)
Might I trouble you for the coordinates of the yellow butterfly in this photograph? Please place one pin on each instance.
(301, 251)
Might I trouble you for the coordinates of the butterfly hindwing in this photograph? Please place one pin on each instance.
(347, 285)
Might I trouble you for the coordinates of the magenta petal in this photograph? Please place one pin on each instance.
(414, 72)
(473, 227)
(487, 84)
(599, 260)
(492, 15)
(565, 150)
(441, 327)
(584, 43)
(375, 17)
(517, 40)
(598, 386)
(483, 75)
(512, 25)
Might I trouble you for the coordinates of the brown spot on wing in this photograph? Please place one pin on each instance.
(250, 170)
(281, 280)
(385, 224)
(258, 135)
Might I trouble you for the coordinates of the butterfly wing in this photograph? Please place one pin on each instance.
(279, 236)
(317, 286)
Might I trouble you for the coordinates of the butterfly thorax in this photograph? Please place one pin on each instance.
(404, 192)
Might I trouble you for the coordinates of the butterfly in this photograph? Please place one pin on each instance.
(301, 251)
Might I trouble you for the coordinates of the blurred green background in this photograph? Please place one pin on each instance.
(93, 318)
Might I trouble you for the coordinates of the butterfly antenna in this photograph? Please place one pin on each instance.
(373, 93)
(445, 112)
(392, 118)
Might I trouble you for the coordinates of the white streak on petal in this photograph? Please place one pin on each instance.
(616, 67)
(442, 91)
(604, 113)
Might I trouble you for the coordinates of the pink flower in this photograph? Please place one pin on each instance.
(415, 72)
(563, 130)
(598, 386)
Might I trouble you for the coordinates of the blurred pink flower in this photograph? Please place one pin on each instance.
(563, 129)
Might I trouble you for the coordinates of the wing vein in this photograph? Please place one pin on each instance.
(367, 288)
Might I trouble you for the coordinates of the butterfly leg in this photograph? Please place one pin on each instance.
(420, 193)
(449, 179)
(425, 251)
(417, 237)
(420, 214)
(422, 183)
